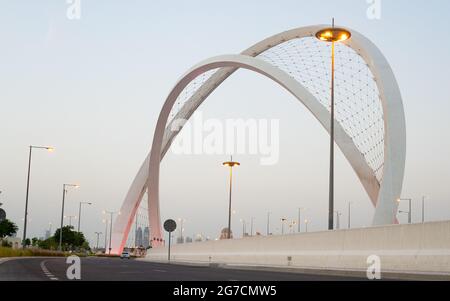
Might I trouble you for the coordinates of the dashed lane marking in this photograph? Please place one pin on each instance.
(47, 272)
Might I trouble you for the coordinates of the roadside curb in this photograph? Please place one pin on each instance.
(388, 275)
(6, 259)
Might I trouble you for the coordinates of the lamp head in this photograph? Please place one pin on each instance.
(231, 163)
(333, 34)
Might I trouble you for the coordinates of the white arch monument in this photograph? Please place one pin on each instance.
(383, 191)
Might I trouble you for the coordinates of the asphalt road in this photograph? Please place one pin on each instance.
(115, 269)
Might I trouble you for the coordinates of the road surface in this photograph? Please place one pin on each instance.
(115, 269)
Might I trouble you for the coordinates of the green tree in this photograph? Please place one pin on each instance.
(34, 241)
(7, 228)
(48, 244)
(70, 238)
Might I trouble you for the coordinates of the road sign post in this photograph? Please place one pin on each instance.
(170, 225)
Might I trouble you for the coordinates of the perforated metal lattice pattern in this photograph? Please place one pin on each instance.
(357, 101)
(189, 91)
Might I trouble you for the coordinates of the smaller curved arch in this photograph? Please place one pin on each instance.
(282, 78)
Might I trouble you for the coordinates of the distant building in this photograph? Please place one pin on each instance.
(188, 240)
(47, 234)
(15, 242)
(146, 238)
(138, 237)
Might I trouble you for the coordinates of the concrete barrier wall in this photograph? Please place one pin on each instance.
(401, 248)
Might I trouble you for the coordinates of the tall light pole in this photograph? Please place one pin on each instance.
(106, 232)
(98, 235)
(111, 213)
(25, 219)
(332, 35)
(268, 224)
(409, 211)
(338, 224)
(79, 213)
(243, 227)
(62, 211)
(292, 226)
(70, 218)
(299, 220)
(251, 226)
(282, 225)
(230, 164)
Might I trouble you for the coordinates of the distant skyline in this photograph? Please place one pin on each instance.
(93, 88)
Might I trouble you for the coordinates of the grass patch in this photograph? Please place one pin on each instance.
(9, 252)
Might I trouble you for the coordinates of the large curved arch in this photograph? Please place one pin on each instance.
(383, 195)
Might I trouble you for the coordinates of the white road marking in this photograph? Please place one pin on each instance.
(47, 272)
(161, 271)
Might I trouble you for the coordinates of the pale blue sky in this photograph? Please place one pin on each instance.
(93, 88)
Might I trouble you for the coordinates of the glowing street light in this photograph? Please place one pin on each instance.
(230, 164)
(333, 35)
(79, 213)
(409, 212)
(283, 220)
(25, 219)
(65, 187)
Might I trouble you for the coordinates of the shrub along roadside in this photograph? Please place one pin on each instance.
(8, 252)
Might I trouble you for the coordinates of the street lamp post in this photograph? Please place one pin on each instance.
(106, 233)
(62, 211)
(332, 35)
(251, 226)
(268, 224)
(79, 213)
(282, 225)
(243, 227)
(338, 224)
(111, 213)
(25, 219)
(70, 218)
(230, 164)
(299, 221)
(409, 212)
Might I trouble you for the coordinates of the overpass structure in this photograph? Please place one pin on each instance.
(369, 118)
